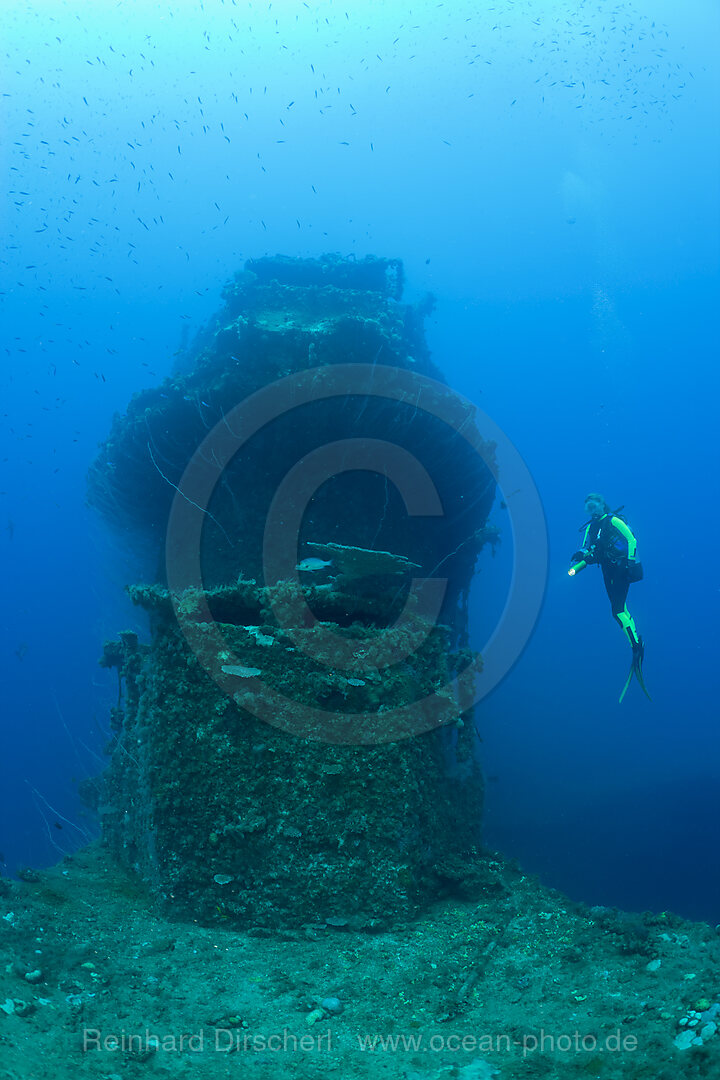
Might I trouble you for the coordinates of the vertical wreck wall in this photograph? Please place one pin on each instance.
(221, 792)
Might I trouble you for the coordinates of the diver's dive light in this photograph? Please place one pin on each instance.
(577, 567)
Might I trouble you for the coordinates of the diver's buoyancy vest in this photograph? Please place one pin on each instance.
(608, 541)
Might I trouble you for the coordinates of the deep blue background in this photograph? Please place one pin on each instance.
(552, 178)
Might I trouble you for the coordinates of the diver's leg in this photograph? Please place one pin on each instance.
(617, 586)
(628, 624)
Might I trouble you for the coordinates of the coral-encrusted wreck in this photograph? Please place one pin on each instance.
(287, 749)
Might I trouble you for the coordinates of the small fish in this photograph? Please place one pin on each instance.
(313, 564)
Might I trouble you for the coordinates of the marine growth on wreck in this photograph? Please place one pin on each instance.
(286, 748)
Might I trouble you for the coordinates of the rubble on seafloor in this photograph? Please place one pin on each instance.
(513, 982)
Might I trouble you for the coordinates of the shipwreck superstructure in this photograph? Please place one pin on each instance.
(288, 747)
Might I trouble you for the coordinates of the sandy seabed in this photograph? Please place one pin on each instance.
(517, 983)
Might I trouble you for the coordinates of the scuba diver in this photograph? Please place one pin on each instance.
(609, 542)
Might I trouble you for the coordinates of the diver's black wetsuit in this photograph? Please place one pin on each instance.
(613, 548)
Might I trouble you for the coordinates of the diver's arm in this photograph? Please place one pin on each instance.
(582, 558)
(628, 535)
(586, 553)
